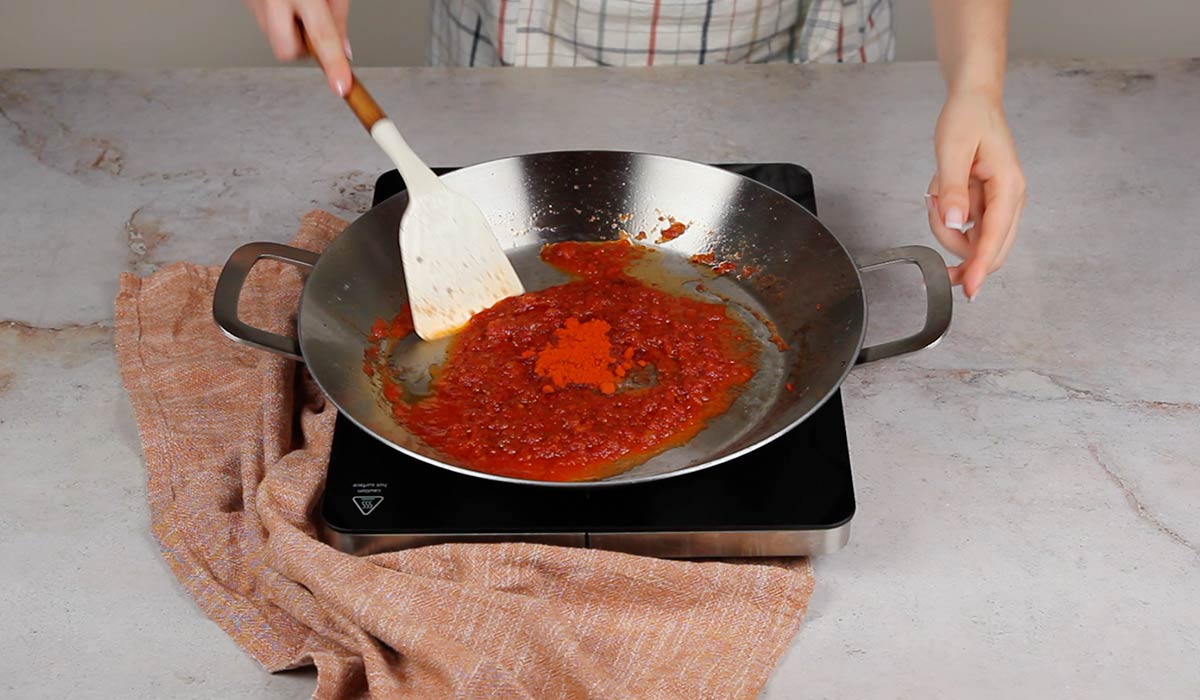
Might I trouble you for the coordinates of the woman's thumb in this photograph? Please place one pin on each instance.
(954, 162)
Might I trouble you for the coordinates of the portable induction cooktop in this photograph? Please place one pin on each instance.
(793, 496)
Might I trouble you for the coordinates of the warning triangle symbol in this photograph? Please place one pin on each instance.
(366, 504)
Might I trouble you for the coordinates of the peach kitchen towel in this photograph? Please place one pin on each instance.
(236, 442)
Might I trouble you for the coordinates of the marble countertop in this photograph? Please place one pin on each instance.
(1027, 522)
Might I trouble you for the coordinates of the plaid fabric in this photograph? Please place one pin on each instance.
(659, 32)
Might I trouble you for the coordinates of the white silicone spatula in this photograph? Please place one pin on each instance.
(453, 265)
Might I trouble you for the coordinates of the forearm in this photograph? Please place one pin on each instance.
(972, 39)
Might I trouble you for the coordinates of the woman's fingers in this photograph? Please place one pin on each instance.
(324, 22)
(1002, 199)
(1008, 242)
(954, 241)
(326, 42)
(281, 30)
(341, 18)
(976, 196)
(955, 155)
(955, 273)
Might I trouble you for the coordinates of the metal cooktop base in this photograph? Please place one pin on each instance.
(791, 497)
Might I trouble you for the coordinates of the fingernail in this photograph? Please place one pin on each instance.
(971, 298)
(967, 226)
(954, 218)
(928, 195)
(340, 86)
(349, 51)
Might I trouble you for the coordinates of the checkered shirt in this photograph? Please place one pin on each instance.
(659, 32)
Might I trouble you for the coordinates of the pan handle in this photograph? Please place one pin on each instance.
(938, 302)
(229, 292)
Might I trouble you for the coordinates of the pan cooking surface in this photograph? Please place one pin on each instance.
(806, 284)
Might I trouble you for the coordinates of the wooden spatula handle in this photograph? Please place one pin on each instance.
(361, 103)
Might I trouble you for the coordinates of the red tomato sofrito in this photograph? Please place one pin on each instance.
(579, 381)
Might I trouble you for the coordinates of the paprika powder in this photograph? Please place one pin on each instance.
(581, 354)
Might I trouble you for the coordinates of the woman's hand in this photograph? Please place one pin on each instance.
(325, 23)
(978, 180)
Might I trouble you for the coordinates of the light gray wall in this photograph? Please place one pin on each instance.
(170, 33)
(181, 33)
(1099, 29)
